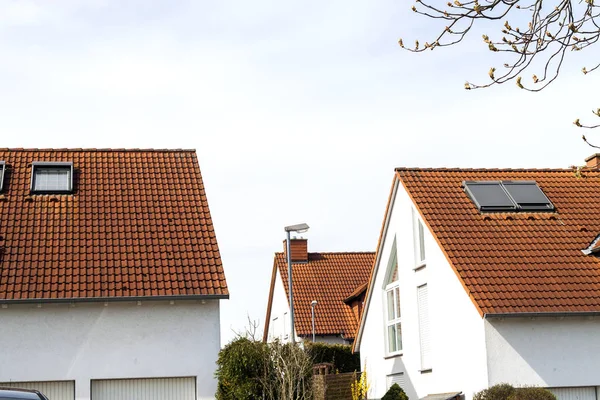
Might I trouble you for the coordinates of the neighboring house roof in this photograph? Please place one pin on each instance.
(136, 226)
(328, 278)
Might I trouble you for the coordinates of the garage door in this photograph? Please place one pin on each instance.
(54, 390)
(575, 393)
(145, 389)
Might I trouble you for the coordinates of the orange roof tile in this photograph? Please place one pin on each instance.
(136, 225)
(516, 262)
(328, 278)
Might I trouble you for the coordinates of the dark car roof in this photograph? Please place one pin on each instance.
(13, 393)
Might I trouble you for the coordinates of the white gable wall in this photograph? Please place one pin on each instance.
(456, 328)
(280, 313)
(120, 340)
(550, 352)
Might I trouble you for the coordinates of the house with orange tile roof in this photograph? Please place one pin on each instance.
(110, 275)
(485, 276)
(335, 281)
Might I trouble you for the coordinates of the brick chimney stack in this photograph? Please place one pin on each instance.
(593, 161)
(298, 250)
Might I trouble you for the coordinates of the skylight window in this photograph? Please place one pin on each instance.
(52, 177)
(507, 196)
(2, 169)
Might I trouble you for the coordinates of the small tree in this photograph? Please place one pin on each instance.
(290, 377)
(395, 392)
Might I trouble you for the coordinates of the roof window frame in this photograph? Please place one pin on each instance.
(51, 164)
(514, 206)
(2, 175)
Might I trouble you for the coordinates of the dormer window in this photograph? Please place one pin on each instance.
(2, 169)
(52, 177)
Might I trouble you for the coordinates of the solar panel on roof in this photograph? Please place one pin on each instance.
(507, 196)
(528, 196)
(489, 196)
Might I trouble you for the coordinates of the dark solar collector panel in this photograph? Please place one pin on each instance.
(507, 196)
(489, 196)
(528, 195)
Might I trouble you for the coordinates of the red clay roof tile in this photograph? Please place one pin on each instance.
(516, 262)
(135, 218)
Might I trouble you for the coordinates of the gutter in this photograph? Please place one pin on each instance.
(115, 299)
(561, 314)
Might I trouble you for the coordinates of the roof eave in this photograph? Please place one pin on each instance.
(557, 314)
(115, 299)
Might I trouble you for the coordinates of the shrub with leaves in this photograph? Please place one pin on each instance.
(532, 393)
(240, 367)
(395, 392)
(505, 391)
(339, 355)
(360, 386)
(501, 391)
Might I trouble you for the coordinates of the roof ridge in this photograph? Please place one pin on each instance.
(334, 252)
(452, 169)
(91, 149)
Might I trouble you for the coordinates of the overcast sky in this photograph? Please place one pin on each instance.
(299, 110)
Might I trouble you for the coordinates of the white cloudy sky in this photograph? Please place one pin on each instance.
(299, 110)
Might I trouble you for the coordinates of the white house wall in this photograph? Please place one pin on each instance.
(456, 328)
(551, 352)
(88, 341)
(280, 313)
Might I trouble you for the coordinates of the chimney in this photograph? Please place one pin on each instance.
(298, 250)
(593, 161)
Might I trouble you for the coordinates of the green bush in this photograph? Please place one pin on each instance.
(339, 355)
(240, 366)
(504, 391)
(395, 393)
(532, 393)
(501, 391)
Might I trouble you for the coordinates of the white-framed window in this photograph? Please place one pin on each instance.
(419, 240)
(424, 331)
(276, 331)
(52, 177)
(392, 314)
(285, 325)
(393, 319)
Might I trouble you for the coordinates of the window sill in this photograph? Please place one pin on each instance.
(426, 371)
(393, 355)
(419, 267)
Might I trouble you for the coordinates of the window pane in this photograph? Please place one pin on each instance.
(392, 341)
(52, 179)
(390, 305)
(421, 242)
(399, 336)
(397, 301)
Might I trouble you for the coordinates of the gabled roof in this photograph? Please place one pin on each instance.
(516, 262)
(328, 278)
(136, 226)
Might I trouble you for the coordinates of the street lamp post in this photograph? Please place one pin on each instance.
(312, 305)
(299, 228)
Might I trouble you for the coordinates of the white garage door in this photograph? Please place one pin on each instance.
(55, 390)
(575, 393)
(145, 389)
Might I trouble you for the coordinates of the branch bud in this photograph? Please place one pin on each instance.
(519, 82)
(535, 79)
(401, 43)
(491, 73)
(577, 123)
(468, 86)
